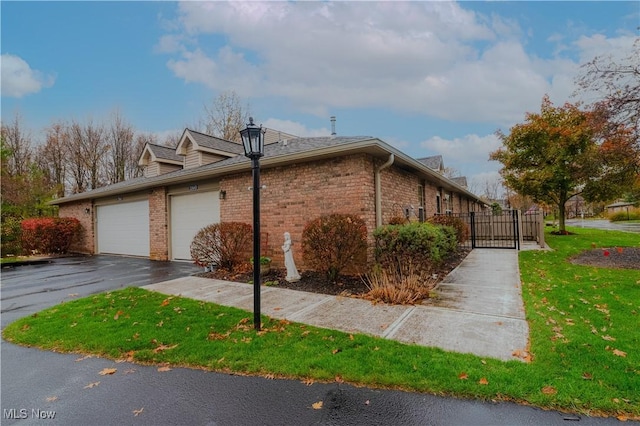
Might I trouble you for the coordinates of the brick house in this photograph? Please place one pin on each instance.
(206, 180)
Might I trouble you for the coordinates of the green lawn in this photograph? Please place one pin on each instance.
(584, 322)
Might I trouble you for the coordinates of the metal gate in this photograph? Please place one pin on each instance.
(494, 230)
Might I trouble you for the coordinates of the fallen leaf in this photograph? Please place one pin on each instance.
(130, 371)
(164, 369)
(335, 351)
(587, 376)
(620, 249)
(549, 390)
(73, 294)
(609, 338)
(308, 382)
(483, 381)
(339, 379)
(52, 398)
(277, 309)
(622, 418)
(619, 353)
(366, 402)
(161, 348)
(83, 358)
(25, 327)
(160, 324)
(165, 302)
(351, 337)
(317, 405)
(606, 253)
(463, 376)
(270, 376)
(136, 412)
(91, 385)
(117, 315)
(483, 362)
(107, 371)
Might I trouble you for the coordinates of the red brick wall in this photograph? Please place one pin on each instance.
(298, 193)
(85, 243)
(158, 225)
(399, 190)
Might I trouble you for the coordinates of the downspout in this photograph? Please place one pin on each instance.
(379, 189)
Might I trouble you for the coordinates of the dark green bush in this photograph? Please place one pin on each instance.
(226, 244)
(334, 242)
(11, 236)
(462, 229)
(420, 247)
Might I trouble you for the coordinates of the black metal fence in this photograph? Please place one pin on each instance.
(492, 229)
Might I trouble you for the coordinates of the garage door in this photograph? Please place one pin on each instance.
(124, 228)
(189, 214)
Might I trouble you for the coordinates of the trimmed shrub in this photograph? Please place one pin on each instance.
(414, 247)
(226, 244)
(332, 242)
(48, 235)
(622, 216)
(11, 236)
(462, 229)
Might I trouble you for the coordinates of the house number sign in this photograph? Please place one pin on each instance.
(193, 187)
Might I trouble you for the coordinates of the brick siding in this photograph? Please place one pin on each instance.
(85, 243)
(298, 193)
(158, 225)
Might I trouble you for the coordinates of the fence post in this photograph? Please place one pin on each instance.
(473, 229)
(540, 217)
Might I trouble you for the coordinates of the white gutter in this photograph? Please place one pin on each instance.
(379, 188)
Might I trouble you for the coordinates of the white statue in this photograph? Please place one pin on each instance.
(292, 272)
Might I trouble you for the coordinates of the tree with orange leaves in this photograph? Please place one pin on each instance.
(565, 151)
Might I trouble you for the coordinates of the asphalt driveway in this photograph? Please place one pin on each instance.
(30, 288)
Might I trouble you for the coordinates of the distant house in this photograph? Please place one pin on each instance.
(205, 180)
(619, 206)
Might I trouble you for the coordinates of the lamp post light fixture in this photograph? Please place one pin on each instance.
(253, 143)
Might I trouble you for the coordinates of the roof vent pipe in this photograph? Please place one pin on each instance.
(333, 125)
(378, 189)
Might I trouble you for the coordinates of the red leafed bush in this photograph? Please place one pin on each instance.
(47, 235)
(332, 242)
(462, 229)
(226, 244)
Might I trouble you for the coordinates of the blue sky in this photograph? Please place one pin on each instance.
(427, 77)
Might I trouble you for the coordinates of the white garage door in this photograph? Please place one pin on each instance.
(124, 228)
(189, 214)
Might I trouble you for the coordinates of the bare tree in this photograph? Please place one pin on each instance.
(120, 143)
(18, 143)
(87, 148)
(618, 85)
(226, 116)
(52, 156)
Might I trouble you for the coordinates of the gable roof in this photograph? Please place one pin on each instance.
(278, 154)
(159, 153)
(434, 162)
(208, 143)
(460, 180)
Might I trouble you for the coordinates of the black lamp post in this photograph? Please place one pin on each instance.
(253, 143)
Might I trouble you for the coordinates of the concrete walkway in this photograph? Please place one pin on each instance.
(478, 310)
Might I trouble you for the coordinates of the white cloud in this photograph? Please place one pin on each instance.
(294, 128)
(431, 58)
(18, 79)
(469, 155)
